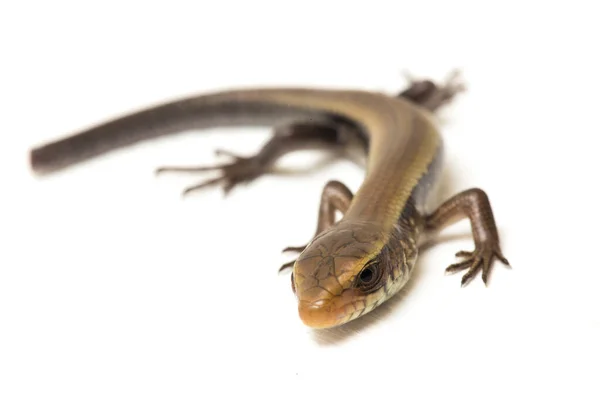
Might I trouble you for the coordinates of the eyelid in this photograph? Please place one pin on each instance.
(374, 283)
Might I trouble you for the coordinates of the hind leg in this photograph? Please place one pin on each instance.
(286, 139)
(431, 96)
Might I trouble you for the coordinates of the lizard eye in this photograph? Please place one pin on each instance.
(366, 276)
(369, 277)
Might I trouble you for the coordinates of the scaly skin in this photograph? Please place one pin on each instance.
(353, 265)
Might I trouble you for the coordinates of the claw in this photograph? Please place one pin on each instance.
(287, 265)
(298, 249)
(503, 259)
(468, 277)
(481, 258)
(458, 267)
(202, 185)
(241, 169)
(487, 264)
(223, 152)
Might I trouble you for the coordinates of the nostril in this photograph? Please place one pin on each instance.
(317, 304)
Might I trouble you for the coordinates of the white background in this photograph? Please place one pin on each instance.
(113, 287)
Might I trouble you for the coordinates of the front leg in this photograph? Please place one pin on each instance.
(335, 197)
(475, 205)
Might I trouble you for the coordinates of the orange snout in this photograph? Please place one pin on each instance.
(320, 309)
(320, 314)
(322, 301)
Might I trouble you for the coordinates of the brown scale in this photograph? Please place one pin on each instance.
(354, 264)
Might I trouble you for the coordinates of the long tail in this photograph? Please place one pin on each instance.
(220, 109)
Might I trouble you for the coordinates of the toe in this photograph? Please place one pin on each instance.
(463, 253)
(458, 266)
(469, 275)
(287, 265)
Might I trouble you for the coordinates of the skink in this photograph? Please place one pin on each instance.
(353, 264)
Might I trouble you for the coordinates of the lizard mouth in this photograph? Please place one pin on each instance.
(321, 314)
(329, 312)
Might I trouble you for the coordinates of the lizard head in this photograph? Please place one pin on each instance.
(346, 272)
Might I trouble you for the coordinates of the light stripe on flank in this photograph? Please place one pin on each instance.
(402, 143)
(398, 170)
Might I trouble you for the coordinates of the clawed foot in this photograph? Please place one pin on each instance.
(453, 85)
(430, 95)
(241, 169)
(480, 259)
